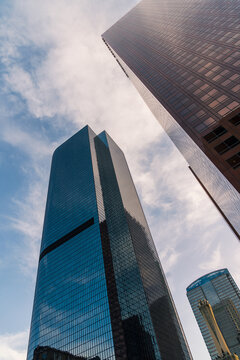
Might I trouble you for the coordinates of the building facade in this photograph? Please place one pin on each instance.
(49, 353)
(185, 62)
(100, 289)
(221, 291)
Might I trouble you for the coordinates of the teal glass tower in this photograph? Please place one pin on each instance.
(221, 291)
(101, 291)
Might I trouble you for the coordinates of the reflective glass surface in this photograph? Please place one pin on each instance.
(222, 191)
(156, 311)
(135, 317)
(50, 353)
(224, 296)
(71, 309)
(228, 319)
(71, 194)
(101, 291)
(185, 61)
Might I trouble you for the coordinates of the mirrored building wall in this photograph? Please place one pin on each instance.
(71, 309)
(185, 62)
(101, 291)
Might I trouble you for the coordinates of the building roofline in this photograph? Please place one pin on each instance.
(205, 278)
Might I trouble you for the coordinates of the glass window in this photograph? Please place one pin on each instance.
(227, 144)
(216, 133)
(210, 293)
(235, 120)
(234, 161)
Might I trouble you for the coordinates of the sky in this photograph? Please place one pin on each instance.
(57, 76)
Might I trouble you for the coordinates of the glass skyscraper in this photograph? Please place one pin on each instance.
(184, 59)
(100, 291)
(221, 291)
(49, 353)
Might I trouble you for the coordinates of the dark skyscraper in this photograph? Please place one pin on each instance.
(221, 291)
(184, 59)
(48, 353)
(100, 287)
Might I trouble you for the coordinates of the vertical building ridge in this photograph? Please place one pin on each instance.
(100, 291)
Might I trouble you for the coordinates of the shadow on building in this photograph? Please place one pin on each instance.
(49, 353)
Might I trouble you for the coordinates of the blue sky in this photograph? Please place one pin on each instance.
(56, 77)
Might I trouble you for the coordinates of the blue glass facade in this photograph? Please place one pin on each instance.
(71, 309)
(158, 309)
(221, 291)
(100, 287)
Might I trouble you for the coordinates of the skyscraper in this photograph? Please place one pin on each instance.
(184, 59)
(48, 353)
(100, 287)
(221, 291)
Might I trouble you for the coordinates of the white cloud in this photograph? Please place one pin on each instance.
(76, 78)
(28, 221)
(13, 346)
(69, 78)
(214, 262)
(30, 143)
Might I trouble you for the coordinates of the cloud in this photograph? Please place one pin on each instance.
(28, 203)
(174, 201)
(57, 76)
(28, 221)
(29, 143)
(214, 262)
(71, 79)
(13, 346)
